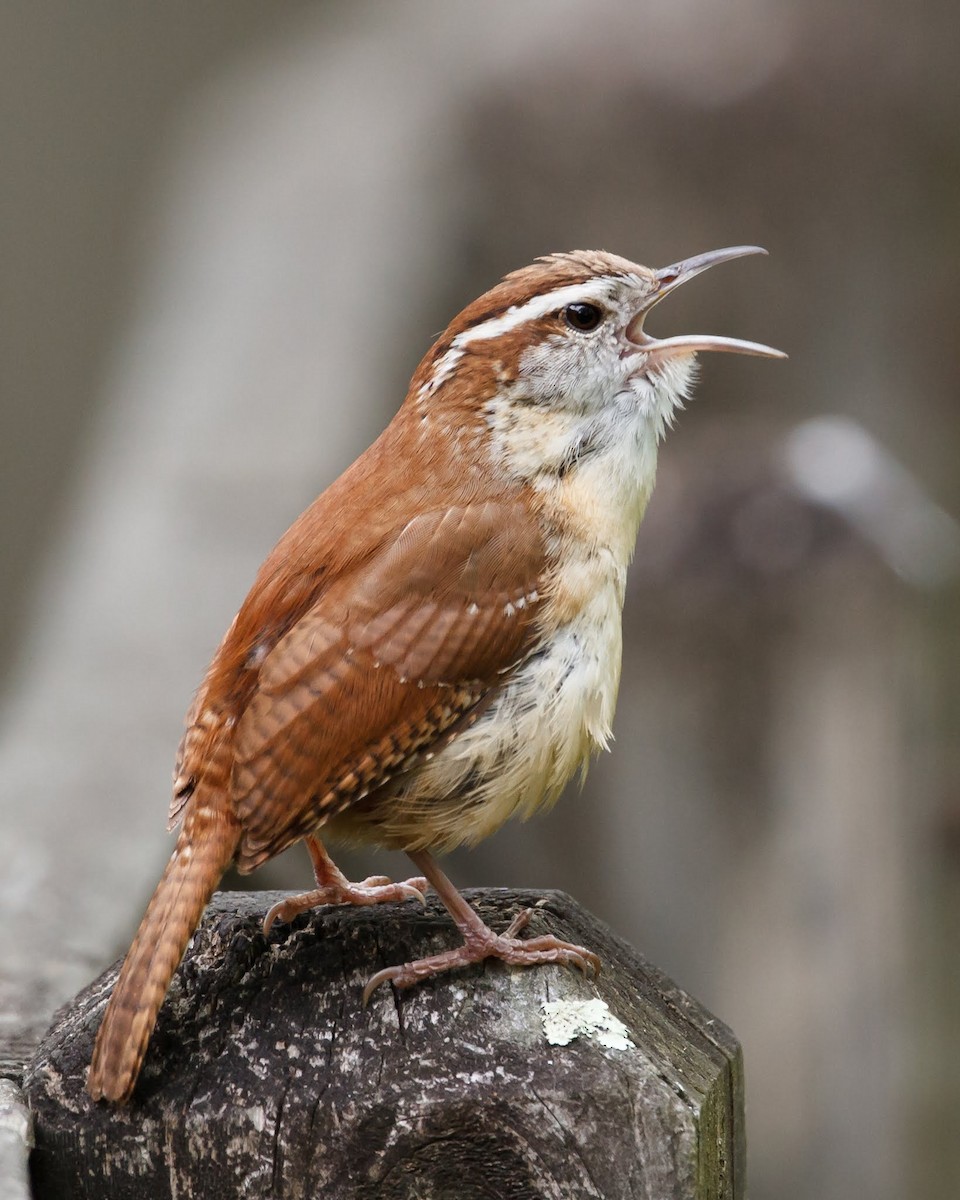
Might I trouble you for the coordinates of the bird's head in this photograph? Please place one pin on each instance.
(558, 351)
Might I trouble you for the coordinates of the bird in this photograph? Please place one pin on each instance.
(434, 646)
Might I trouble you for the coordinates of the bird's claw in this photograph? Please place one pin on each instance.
(377, 889)
(479, 946)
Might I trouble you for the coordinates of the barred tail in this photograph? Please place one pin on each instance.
(205, 848)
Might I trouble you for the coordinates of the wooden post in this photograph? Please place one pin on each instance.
(267, 1077)
(16, 1140)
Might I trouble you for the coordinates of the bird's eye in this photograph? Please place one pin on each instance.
(583, 317)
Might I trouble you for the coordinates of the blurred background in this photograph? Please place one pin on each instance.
(229, 232)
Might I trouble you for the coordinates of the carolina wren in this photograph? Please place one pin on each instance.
(434, 645)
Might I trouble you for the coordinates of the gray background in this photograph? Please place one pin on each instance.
(229, 232)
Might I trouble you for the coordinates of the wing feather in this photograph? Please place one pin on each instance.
(383, 666)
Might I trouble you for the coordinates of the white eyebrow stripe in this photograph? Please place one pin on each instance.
(591, 290)
(441, 372)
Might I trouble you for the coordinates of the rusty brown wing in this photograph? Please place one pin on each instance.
(388, 661)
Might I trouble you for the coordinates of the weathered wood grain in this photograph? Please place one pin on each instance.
(16, 1140)
(267, 1077)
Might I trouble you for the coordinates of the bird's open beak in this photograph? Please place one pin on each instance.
(670, 278)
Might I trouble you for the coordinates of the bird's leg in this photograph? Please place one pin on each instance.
(479, 940)
(333, 887)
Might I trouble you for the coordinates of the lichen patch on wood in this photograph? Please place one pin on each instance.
(565, 1020)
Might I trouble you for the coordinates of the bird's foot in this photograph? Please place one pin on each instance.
(480, 942)
(333, 887)
(378, 889)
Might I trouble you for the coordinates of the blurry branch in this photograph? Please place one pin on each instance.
(835, 462)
